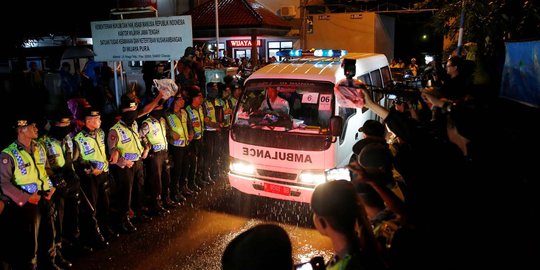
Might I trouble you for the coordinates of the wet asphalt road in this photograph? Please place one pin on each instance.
(194, 235)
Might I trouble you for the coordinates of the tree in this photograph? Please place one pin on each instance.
(488, 24)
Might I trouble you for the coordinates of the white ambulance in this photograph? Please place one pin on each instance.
(284, 151)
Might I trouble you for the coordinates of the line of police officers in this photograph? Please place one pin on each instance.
(65, 191)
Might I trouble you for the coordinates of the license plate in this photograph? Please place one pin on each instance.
(277, 189)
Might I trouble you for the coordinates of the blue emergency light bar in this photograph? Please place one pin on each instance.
(289, 53)
(318, 53)
(329, 53)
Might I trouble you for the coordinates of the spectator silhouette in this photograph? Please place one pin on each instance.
(339, 214)
(263, 247)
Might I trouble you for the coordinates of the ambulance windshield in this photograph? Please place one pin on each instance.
(281, 105)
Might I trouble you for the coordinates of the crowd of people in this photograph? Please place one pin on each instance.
(440, 183)
(71, 182)
(428, 186)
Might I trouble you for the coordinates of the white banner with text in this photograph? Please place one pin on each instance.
(144, 39)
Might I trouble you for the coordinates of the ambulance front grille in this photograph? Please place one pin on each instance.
(274, 174)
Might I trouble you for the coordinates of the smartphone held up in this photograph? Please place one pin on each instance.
(342, 173)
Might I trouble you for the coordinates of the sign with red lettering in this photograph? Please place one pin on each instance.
(243, 43)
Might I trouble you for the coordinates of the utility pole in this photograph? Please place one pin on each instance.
(303, 25)
(461, 24)
(217, 31)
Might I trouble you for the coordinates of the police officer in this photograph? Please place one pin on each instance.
(228, 108)
(212, 130)
(138, 192)
(179, 135)
(60, 152)
(196, 116)
(92, 166)
(154, 132)
(127, 154)
(28, 225)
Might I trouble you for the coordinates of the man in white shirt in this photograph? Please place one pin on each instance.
(273, 102)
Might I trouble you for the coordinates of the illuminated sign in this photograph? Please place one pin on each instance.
(243, 43)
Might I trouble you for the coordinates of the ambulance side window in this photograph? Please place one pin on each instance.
(346, 114)
(366, 79)
(386, 75)
(377, 83)
(376, 78)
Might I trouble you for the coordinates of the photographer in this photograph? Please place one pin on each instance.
(435, 173)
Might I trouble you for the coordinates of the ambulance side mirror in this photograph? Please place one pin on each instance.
(336, 125)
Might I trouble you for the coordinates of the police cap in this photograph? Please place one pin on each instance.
(91, 112)
(128, 104)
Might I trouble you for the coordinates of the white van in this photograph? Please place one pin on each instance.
(285, 155)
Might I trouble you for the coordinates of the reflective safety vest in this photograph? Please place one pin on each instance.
(129, 145)
(227, 118)
(157, 134)
(341, 264)
(196, 116)
(234, 101)
(210, 107)
(55, 151)
(93, 149)
(29, 174)
(179, 125)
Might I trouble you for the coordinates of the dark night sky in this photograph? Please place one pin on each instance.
(35, 18)
(39, 18)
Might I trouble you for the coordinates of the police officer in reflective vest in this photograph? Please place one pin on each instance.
(179, 135)
(213, 107)
(196, 116)
(92, 167)
(127, 154)
(60, 152)
(228, 108)
(28, 227)
(154, 132)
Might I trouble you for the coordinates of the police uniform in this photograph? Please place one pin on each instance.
(60, 152)
(154, 131)
(229, 103)
(212, 140)
(27, 221)
(178, 124)
(92, 166)
(124, 139)
(196, 117)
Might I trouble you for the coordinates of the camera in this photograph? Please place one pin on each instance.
(342, 173)
(304, 266)
(400, 91)
(316, 263)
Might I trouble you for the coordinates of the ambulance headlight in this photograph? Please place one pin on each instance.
(242, 167)
(312, 177)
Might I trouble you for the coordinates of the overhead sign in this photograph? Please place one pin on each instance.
(243, 43)
(144, 39)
